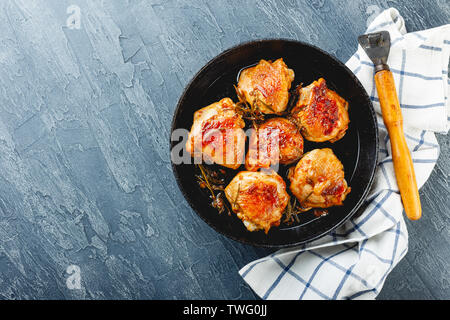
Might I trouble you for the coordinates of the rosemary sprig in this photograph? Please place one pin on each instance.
(292, 211)
(211, 180)
(294, 95)
(204, 181)
(258, 102)
(248, 111)
(235, 203)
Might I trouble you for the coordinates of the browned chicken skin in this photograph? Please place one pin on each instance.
(266, 86)
(276, 140)
(318, 180)
(321, 113)
(217, 134)
(258, 199)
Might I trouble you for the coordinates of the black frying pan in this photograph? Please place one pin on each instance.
(357, 151)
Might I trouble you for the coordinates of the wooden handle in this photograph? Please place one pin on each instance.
(403, 165)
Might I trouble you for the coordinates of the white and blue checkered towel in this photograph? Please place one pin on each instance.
(354, 260)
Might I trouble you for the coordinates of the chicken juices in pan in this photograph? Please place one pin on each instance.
(321, 113)
(266, 86)
(258, 199)
(276, 140)
(317, 180)
(217, 134)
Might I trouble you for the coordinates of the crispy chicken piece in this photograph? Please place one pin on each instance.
(266, 85)
(321, 113)
(258, 199)
(277, 140)
(318, 180)
(217, 134)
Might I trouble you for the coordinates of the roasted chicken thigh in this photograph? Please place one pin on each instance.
(217, 134)
(318, 180)
(321, 113)
(276, 140)
(258, 199)
(266, 86)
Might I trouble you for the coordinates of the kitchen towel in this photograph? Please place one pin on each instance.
(354, 260)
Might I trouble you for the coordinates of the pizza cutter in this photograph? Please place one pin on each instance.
(377, 46)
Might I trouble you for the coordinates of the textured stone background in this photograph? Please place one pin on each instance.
(85, 176)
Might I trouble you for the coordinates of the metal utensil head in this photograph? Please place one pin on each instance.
(377, 46)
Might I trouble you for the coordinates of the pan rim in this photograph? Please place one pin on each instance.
(367, 189)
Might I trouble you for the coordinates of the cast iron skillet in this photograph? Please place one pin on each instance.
(357, 151)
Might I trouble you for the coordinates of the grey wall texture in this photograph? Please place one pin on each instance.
(87, 92)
